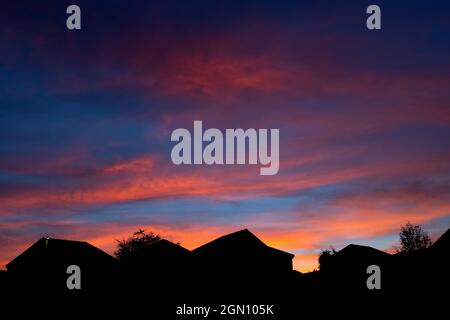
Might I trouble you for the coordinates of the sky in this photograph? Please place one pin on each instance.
(86, 118)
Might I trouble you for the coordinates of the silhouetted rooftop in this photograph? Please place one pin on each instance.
(354, 250)
(240, 241)
(443, 241)
(58, 249)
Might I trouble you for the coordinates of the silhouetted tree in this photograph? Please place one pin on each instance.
(135, 244)
(325, 258)
(413, 237)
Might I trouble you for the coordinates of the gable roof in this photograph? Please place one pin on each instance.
(358, 251)
(242, 241)
(163, 249)
(59, 250)
(443, 241)
(167, 245)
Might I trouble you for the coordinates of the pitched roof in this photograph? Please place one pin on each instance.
(354, 250)
(165, 248)
(164, 244)
(443, 241)
(242, 241)
(60, 250)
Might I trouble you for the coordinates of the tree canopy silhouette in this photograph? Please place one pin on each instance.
(325, 258)
(135, 244)
(413, 237)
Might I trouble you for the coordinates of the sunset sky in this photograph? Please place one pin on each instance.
(86, 118)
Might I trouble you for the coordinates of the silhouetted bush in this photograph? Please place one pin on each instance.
(325, 258)
(135, 244)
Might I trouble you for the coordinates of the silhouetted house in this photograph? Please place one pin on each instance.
(347, 268)
(242, 253)
(428, 267)
(43, 266)
(356, 258)
(354, 252)
(161, 257)
(161, 266)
